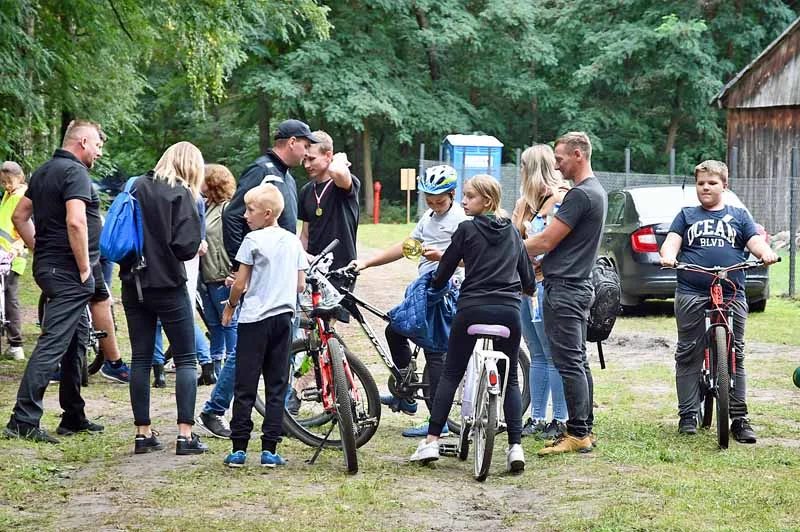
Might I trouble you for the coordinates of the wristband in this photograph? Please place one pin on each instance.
(228, 302)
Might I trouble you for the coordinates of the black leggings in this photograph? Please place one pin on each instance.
(459, 351)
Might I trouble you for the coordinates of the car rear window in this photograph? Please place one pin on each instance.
(664, 203)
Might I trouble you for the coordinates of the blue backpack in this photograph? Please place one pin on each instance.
(122, 238)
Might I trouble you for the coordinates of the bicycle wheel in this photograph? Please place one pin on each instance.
(723, 386)
(345, 407)
(485, 428)
(309, 422)
(98, 361)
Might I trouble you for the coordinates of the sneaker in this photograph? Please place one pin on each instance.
(214, 425)
(190, 445)
(119, 374)
(159, 377)
(16, 352)
(421, 430)
(399, 405)
(515, 459)
(271, 460)
(207, 376)
(146, 444)
(687, 425)
(593, 437)
(552, 430)
(568, 444)
(25, 432)
(742, 431)
(293, 403)
(55, 378)
(86, 426)
(235, 459)
(426, 452)
(533, 428)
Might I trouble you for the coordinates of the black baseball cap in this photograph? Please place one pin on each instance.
(295, 128)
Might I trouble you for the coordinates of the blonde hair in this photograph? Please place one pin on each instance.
(540, 179)
(577, 140)
(712, 167)
(181, 163)
(10, 170)
(77, 128)
(220, 183)
(488, 188)
(325, 143)
(266, 196)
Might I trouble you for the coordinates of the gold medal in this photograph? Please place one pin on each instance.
(318, 212)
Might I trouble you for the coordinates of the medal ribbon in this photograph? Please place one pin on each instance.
(319, 196)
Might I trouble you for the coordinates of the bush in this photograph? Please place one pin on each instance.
(392, 212)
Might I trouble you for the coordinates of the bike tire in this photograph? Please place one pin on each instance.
(723, 386)
(485, 429)
(97, 363)
(345, 407)
(463, 442)
(311, 416)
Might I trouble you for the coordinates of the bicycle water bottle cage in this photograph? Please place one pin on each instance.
(716, 294)
(480, 329)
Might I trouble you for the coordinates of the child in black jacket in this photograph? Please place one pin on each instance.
(497, 270)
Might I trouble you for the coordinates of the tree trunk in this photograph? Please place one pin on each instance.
(672, 133)
(434, 67)
(367, 157)
(264, 116)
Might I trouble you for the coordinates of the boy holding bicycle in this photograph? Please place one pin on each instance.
(711, 234)
(271, 270)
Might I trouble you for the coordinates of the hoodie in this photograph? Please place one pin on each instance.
(496, 265)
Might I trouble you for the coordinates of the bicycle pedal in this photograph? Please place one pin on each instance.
(310, 394)
(448, 449)
(100, 334)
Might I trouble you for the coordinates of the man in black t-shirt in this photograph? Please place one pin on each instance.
(571, 242)
(64, 236)
(328, 204)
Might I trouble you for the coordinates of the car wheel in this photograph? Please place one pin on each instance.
(757, 306)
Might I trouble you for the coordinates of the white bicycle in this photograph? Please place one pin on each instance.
(483, 397)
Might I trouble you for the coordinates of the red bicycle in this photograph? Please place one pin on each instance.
(718, 376)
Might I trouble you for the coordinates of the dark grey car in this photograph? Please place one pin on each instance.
(637, 223)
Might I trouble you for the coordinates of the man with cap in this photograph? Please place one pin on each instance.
(292, 140)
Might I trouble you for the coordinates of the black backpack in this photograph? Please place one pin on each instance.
(606, 307)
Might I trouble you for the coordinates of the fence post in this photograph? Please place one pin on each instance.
(671, 164)
(420, 201)
(441, 147)
(627, 164)
(517, 170)
(795, 173)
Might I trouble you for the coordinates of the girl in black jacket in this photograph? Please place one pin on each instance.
(157, 289)
(497, 270)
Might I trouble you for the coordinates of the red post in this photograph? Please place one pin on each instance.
(376, 202)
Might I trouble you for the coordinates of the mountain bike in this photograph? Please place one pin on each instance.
(718, 374)
(335, 389)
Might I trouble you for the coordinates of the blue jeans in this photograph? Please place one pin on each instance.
(545, 379)
(201, 345)
(222, 395)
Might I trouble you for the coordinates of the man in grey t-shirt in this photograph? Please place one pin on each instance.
(571, 243)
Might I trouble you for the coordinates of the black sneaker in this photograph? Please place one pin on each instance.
(86, 426)
(553, 430)
(147, 444)
(214, 425)
(533, 428)
(742, 431)
(191, 445)
(159, 377)
(687, 425)
(26, 432)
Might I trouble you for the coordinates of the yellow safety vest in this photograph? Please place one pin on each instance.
(8, 233)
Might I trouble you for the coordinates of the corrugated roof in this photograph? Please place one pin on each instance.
(474, 140)
(732, 83)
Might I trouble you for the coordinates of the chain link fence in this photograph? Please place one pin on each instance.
(774, 203)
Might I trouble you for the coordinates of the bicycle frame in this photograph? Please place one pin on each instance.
(485, 357)
(716, 316)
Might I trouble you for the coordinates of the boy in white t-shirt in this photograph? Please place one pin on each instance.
(272, 263)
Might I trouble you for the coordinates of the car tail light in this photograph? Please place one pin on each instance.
(763, 232)
(644, 241)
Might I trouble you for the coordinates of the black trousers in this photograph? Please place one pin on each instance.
(64, 337)
(401, 355)
(262, 348)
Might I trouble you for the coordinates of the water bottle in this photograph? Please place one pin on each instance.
(537, 226)
(553, 212)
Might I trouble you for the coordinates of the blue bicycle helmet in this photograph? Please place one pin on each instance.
(438, 179)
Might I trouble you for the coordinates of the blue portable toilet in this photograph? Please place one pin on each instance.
(471, 155)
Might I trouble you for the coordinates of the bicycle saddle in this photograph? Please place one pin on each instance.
(480, 329)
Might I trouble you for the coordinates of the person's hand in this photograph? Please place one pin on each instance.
(669, 262)
(341, 158)
(432, 254)
(13, 253)
(227, 313)
(310, 257)
(85, 275)
(357, 265)
(770, 257)
(203, 249)
(230, 279)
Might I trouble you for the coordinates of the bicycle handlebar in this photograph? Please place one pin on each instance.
(330, 247)
(746, 265)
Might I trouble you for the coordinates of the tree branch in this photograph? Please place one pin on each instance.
(119, 19)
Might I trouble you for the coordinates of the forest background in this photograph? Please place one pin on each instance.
(381, 76)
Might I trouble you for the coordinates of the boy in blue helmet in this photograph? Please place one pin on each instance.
(434, 230)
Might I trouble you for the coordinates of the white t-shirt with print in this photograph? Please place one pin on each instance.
(436, 231)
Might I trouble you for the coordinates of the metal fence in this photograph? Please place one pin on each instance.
(774, 203)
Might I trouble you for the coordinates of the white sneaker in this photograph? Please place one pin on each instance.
(426, 452)
(515, 459)
(16, 352)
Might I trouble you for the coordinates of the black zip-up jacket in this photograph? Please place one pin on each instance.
(171, 226)
(496, 265)
(234, 227)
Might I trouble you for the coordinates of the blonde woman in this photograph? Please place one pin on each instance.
(166, 196)
(541, 191)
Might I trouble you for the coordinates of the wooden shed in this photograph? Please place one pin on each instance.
(763, 112)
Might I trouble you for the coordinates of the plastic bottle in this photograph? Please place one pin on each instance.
(537, 226)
